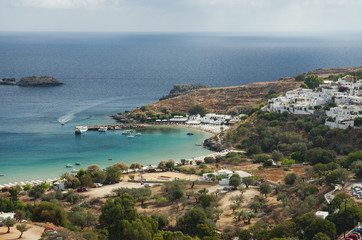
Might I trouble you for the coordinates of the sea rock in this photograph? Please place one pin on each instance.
(43, 81)
(7, 81)
(181, 89)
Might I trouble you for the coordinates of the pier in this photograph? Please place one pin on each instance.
(116, 126)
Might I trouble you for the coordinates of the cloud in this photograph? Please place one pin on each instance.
(62, 4)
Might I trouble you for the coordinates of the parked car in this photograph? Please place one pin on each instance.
(83, 189)
(226, 189)
(353, 236)
(357, 233)
(98, 184)
(147, 185)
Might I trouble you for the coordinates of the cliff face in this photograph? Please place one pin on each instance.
(182, 89)
(43, 81)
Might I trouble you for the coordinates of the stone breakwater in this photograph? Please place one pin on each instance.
(116, 126)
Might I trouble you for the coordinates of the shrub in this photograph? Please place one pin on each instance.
(254, 149)
(49, 212)
(260, 158)
(209, 160)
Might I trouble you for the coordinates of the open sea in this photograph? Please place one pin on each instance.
(107, 73)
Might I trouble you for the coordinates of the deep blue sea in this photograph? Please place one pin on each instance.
(106, 73)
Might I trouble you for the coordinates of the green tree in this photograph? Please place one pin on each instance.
(98, 176)
(345, 220)
(298, 156)
(277, 156)
(122, 165)
(198, 109)
(14, 192)
(190, 220)
(353, 156)
(356, 167)
(357, 121)
(300, 77)
(36, 192)
(290, 178)
(81, 217)
(340, 175)
(72, 197)
(206, 200)
(235, 181)
(170, 164)
(254, 149)
(86, 180)
(113, 174)
(256, 205)
(248, 181)
(312, 81)
(161, 219)
(116, 213)
(321, 236)
(283, 230)
(71, 181)
(265, 188)
(49, 212)
(245, 235)
(19, 215)
(319, 155)
(174, 190)
(22, 228)
(320, 225)
(9, 222)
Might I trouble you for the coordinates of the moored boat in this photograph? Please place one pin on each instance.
(102, 129)
(130, 136)
(138, 134)
(1, 175)
(189, 133)
(69, 165)
(77, 163)
(81, 129)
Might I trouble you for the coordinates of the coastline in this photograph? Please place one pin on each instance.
(40, 174)
(202, 128)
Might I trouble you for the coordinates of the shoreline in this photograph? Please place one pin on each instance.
(207, 128)
(35, 180)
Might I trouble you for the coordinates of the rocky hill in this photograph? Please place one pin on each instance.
(220, 100)
(182, 89)
(43, 81)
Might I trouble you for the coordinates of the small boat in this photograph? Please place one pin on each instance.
(74, 171)
(81, 129)
(69, 165)
(1, 175)
(131, 136)
(109, 159)
(77, 163)
(102, 129)
(189, 134)
(198, 144)
(138, 134)
(127, 132)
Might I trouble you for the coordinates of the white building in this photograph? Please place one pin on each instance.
(4, 215)
(321, 214)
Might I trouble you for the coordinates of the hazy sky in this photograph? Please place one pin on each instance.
(180, 15)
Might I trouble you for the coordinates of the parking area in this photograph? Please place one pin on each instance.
(356, 190)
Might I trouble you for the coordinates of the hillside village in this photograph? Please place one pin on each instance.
(340, 101)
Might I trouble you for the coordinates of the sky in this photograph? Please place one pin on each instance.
(181, 15)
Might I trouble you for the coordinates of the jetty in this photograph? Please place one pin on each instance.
(117, 126)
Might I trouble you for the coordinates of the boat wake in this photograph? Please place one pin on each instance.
(72, 114)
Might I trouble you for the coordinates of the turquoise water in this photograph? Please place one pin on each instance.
(46, 155)
(107, 73)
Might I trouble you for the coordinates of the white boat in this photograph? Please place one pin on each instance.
(81, 129)
(74, 171)
(69, 165)
(127, 132)
(102, 129)
(138, 134)
(130, 136)
(2, 174)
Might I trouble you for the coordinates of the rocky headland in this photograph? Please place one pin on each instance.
(182, 89)
(43, 81)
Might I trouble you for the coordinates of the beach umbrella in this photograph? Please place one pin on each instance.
(6, 185)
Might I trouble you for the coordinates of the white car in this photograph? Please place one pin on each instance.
(98, 184)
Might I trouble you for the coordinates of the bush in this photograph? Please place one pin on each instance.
(209, 160)
(260, 158)
(288, 161)
(49, 212)
(254, 149)
(290, 178)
